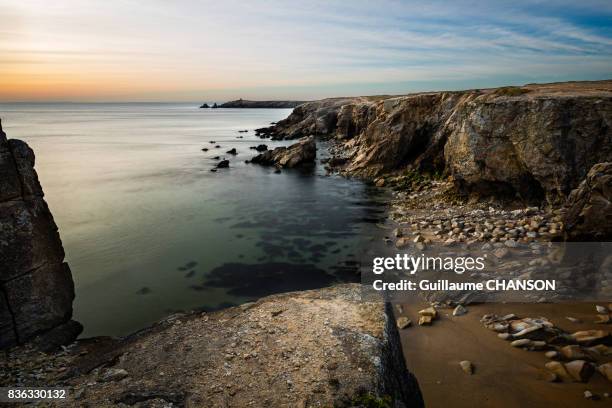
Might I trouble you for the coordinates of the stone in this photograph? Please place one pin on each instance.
(459, 311)
(425, 320)
(500, 253)
(402, 243)
(113, 374)
(573, 319)
(574, 352)
(552, 354)
(559, 370)
(260, 148)
(580, 370)
(430, 311)
(601, 309)
(603, 319)
(510, 243)
(232, 151)
(467, 367)
(588, 395)
(606, 370)
(504, 336)
(403, 322)
(590, 337)
(223, 164)
(379, 182)
(589, 207)
(520, 343)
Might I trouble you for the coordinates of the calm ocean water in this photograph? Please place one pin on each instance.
(149, 230)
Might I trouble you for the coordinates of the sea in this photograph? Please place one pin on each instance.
(148, 228)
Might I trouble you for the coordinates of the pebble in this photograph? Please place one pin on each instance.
(601, 309)
(114, 374)
(580, 370)
(520, 343)
(459, 311)
(430, 312)
(403, 322)
(425, 320)
(467, 367)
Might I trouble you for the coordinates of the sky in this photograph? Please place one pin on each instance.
(159, 50)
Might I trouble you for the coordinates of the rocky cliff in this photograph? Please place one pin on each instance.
(536, 141)
(36, 288)
(589, 207)
(318, 348)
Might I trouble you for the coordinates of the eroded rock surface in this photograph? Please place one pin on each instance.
(537, 141)
(319, 348)
(302, 152)
(36, 288)
(589, 212)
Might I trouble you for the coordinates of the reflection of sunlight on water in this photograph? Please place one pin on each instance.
(148, 229)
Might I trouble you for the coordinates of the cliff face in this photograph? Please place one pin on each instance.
(36, 288)
(589, 207)
(538, 141)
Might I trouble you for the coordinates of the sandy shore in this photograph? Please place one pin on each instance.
(504, 376)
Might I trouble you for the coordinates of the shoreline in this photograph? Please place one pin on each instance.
(468, 208)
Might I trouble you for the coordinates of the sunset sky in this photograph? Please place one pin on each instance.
(129, 50)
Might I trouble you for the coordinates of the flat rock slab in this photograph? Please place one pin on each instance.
(319, 348)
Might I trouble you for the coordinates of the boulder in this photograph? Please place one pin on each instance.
(223, 164)
(606, 370)
(300, 153)
(36, 284)
(589, 207)
(580, 370)
(318, 348)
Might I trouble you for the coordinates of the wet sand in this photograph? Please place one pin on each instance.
(504, 376)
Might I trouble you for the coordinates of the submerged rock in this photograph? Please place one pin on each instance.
(223, 164)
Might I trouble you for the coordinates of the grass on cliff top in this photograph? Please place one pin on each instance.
(510, 91)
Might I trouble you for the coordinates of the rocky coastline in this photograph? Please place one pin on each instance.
(489, 169)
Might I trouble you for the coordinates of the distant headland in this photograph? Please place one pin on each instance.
(243, 103)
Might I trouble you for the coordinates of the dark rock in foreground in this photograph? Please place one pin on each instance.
(241, 103)
(302, 152)
(36, 284)
(589, 212)
(319, 348)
